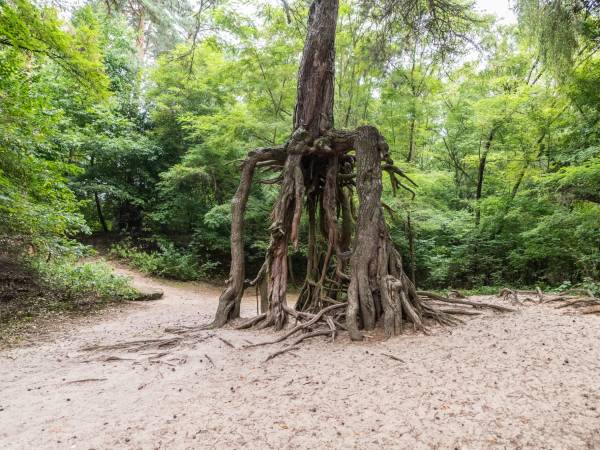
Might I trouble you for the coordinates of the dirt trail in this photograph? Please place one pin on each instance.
(525, 380)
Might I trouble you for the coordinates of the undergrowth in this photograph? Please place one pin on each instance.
(35, 289)
(167, 262)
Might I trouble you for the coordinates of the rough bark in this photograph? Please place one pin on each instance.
(313, 117)
(314, 104)
(378, 285)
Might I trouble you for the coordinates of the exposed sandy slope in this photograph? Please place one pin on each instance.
(525, 380)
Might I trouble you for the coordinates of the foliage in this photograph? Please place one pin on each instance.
(502, 137)
(168, 262)
(35, 288)
(86, 279)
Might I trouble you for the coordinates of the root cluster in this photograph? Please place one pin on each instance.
(354, 275)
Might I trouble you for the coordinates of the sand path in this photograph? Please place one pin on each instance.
(530, 379)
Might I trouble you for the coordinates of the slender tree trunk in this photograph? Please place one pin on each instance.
(411, 138)
(99, 211)
(411, 248)
(229, 302)
(140, 41)
(481, 173)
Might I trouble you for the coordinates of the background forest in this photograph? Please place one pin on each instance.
(127, 121)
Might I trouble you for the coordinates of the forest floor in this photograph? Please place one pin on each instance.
(529, 379)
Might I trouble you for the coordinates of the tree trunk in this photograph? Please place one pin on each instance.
(140, 41)
(313, 117)
(99, 211)
(411, 138)
(379, 286)
(229, 302)
(354, 270)
(411, 248)
(314, 104)
(481, 173)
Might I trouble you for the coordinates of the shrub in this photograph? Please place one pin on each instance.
(168, 262)
(90, 278)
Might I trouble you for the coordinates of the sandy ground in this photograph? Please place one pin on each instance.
(530, 379)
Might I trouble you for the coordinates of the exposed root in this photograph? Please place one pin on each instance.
(456, 294)
(134, 346)
(280, 352)
(441, 298)
(509, 294)
(304, 326)
(250, 322)
(186, 329)
(293, 345)
(579, 302)
(461, 312)
(592, 310)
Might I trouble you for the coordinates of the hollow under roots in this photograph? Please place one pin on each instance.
(354, 277)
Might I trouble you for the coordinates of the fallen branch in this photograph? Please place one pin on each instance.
(209, 359)
(136, 345)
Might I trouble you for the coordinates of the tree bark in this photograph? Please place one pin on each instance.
(378, 285)
(411, 138)
(314, 104)
(229, 301)
(411, 248)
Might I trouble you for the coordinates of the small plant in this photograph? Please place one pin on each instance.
(565, 286)
(591, 286)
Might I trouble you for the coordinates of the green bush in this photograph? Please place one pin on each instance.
(90, 278)
(168, 262)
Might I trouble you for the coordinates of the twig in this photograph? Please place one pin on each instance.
(225, 341)
(85, 380)
(395, 358)
(280, 352)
